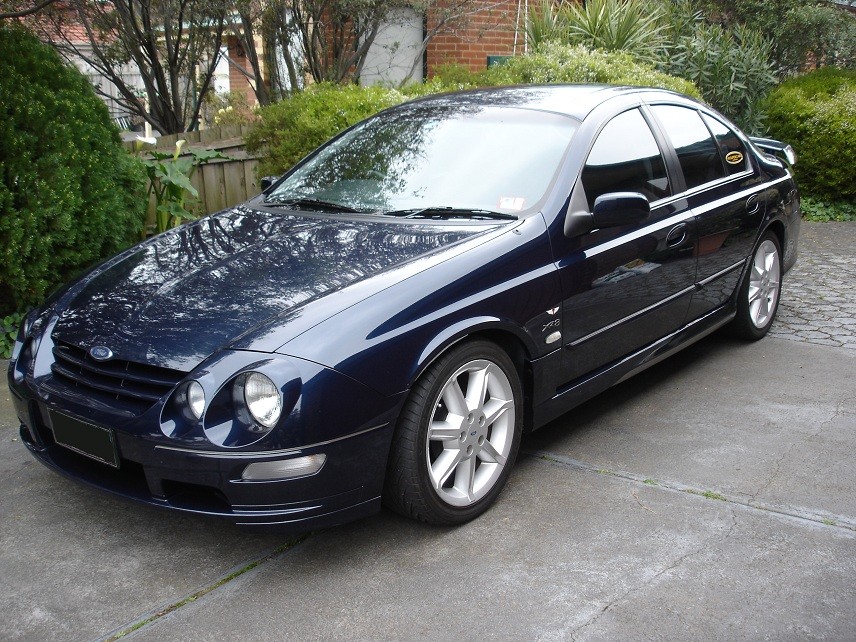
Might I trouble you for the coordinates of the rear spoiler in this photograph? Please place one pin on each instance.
(776, 148)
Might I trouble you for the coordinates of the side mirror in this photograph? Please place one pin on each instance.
(619, 208)
(267, 181)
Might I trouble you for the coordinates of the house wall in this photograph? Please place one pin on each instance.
(496, 28)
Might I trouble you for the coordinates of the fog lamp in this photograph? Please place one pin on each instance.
(284, 468)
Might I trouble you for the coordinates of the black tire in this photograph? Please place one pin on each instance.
(415, 486)
(760, 290)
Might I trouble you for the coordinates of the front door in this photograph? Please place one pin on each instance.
(625, 287)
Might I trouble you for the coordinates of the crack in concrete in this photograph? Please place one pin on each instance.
(837, 413)
(648, 582)
(795, 512)
(162, 611)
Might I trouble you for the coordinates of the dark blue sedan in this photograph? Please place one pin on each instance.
(387, 319)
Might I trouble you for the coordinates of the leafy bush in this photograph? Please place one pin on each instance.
(816, 114)
(633, 26)
(824, 211)
(558, 63)
(731, 68)
(8, 332)
(803, 32)
(288, 130)
(69, 194)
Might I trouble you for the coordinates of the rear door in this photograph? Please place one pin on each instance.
(722, 191)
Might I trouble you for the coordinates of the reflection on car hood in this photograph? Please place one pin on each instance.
(181, 296)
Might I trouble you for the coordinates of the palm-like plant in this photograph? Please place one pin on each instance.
(546, 23)
(634, 26)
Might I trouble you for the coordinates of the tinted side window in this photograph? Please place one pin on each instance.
(697, 151)
(625, 158)
(730, 146)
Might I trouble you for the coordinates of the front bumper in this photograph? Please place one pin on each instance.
(348, 486)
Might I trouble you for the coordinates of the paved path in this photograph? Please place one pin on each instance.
(818, 302)
(710, 498)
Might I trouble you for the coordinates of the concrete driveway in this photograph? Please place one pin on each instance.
(711, 497)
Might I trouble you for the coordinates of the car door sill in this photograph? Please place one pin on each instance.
(584, 388)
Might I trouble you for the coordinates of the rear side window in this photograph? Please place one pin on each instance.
(625, 158)
(697, 152)
(730, 146)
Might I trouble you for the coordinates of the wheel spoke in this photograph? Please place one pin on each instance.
(490, 454)
(454, 399)
(465, 475)
(495, 408)
(443, 431)
(477, 388)
(444, 466)
(754, 293)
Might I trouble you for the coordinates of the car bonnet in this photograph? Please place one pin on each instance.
(185, 294)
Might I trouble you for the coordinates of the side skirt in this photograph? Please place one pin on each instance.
(583, 389)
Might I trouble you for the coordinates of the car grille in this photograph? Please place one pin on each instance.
(138, 384)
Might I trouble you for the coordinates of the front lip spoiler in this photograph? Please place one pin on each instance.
(264, 454)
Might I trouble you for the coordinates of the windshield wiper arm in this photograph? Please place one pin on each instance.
(450, 212)
(316, 203)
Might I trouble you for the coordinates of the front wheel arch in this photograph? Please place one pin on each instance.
(413, 485)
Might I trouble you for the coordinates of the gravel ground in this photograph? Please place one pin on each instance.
(818, 303)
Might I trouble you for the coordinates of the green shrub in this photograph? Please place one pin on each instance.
(69, 194)
(288, 130)
(558, 63)
(818, 210)
(816, 114)
(731, 68)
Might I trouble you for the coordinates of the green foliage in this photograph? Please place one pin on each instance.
(546, 24)
(290, 129)
(823, 211)
(816, 114)
(730, 67)
(558, 63)
(69, 194)
(8, 332)
(169, 181)
(803, 32)
(632, 26)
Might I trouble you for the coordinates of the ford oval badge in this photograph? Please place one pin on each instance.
(100, 353)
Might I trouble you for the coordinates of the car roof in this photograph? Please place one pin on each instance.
(576, 101)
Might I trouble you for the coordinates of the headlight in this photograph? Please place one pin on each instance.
(192, 399)
(260, 396)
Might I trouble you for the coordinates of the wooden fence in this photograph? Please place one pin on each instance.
(220, 182)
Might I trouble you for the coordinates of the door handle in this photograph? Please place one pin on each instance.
(752, 204)
(676, 235)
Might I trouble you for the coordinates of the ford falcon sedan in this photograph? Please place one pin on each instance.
(386, 320)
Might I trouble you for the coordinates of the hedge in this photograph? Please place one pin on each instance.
(816, 114)
(69, 194)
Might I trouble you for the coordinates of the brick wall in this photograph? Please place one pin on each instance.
(488, 32)
(238, 82)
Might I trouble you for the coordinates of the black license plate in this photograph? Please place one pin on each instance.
(85, 438)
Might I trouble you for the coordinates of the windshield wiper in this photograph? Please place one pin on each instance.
(315, 203)
(450, 212)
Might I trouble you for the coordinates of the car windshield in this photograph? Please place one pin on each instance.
(428, 158)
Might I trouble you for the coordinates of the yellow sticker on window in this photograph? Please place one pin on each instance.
(734, 158)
